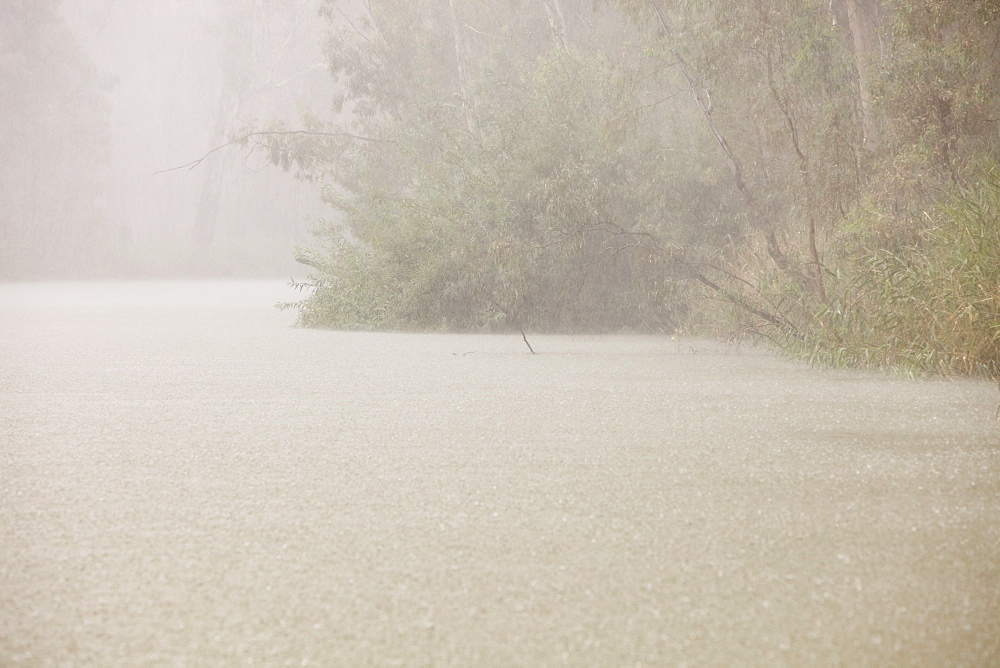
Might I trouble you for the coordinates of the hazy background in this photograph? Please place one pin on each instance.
(99, 95)
(821, 175)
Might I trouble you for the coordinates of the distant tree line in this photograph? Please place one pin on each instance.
(89, 110)
(819, 173)
(54, 139)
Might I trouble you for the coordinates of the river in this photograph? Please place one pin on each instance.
(188, 479)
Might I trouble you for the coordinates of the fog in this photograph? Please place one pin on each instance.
(675, 205)
(115, 91)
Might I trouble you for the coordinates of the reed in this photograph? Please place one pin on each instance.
(932, 306)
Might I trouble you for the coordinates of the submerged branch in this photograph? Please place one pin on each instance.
(526, 341)
(515, 323)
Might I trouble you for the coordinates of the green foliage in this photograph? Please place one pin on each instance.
(937, 93)
(543, 200)
(852, 256)
(773, 165)
(932, 306)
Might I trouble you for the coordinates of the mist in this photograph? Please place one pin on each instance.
(499, 332)
(124, 90)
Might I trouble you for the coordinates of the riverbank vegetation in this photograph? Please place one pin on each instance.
(823, 175)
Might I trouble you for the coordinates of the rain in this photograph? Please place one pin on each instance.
(499, 332)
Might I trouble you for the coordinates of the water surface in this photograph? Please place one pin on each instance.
(188, 479)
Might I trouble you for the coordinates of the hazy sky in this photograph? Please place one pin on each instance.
(174, 99)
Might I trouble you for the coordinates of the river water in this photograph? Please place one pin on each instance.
(187, 479)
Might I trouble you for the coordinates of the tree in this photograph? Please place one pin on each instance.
(265, 52)
(638, 173)
(513, 180)
(841, 145)
(861, 24)
(55, 142)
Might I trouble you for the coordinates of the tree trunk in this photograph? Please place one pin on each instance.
(862, 27)
(463, 74)
(207, 215)
(773, 247)
(556, 23)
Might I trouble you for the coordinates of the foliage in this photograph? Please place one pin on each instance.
(840, 260)
(804, 171)
(933, 306)
(542, 199)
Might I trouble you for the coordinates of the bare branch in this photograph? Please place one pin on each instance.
(652, 104)
(354, 27)
(262, 133)
(515, 322)
(476, 30)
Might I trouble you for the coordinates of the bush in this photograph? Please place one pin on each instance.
(551, 213)
(929, 307)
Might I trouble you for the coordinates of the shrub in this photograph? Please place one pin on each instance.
(932, 306)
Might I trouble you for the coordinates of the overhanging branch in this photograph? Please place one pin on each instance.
(264, 133)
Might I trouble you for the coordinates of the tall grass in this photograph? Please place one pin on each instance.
(932, 306)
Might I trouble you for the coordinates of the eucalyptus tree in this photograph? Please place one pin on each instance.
(839, 124)
(540, 164)
(496, 171)
(54, 136)
(268, 67)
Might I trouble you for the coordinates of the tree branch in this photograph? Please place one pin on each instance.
(262, 133)
(513, 321)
